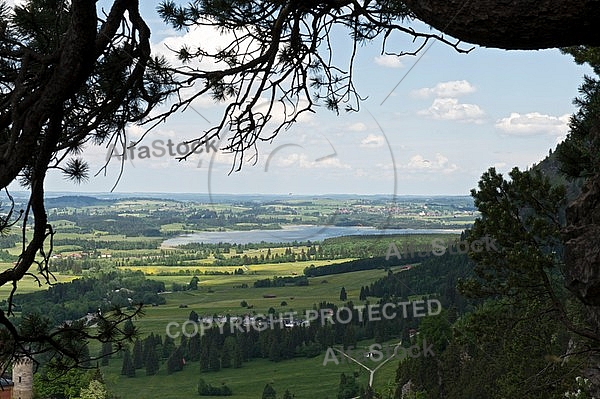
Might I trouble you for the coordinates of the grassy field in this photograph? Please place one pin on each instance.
(29, 284)
(217, 294)
(306, 378)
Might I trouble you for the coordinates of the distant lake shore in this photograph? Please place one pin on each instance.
(291, 233)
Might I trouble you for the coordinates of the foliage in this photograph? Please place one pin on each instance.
(280, 51)
(67, 78)
(348, 387)
(269, 392)
(95, 390)
(205, 389)
(128, 368)
(51, 382)
(578, 154)
(88, 295)
(527, 339)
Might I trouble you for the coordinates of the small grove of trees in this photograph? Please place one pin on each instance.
(146, 355)
(51, 382)
(205, 389)
(348, 387)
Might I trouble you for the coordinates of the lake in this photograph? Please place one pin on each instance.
(292, 233)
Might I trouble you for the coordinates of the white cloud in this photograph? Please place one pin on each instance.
(205, 37)
(451, 109)
(439, 164)
(373, 141)
(302, 161)
(357, 127)
(451, 89)
(388, 61)
(13, 3)
(534, 123)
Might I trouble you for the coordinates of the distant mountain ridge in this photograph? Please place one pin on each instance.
(75, 201)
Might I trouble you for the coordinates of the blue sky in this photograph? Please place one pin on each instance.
(452, 117)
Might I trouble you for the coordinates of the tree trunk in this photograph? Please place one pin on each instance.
(514, 25)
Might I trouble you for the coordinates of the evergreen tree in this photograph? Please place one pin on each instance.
(350, 339)
(238, 356)
(348, 387)
(228, 352)
(204, 353)
(152, 363)
(175, 361)
(193, 351)
(105, 353)
(138, 355)
(362, 296)
(84, 355)
(193, 285)
(127, 368)
(168, 347)
(269, 392)
(343, 295)
(183, 346)
(214, 362)
(194, 317)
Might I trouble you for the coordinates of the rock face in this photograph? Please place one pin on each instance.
(582, 260)
(582, 244)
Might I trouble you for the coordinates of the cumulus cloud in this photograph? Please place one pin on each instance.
(439, 164)
(372, 141)
(388, 61)
(451, 89)
(208, 38)
(451, 109)
(12, 3)
(534, 123)
(357, 127)
(302, 161)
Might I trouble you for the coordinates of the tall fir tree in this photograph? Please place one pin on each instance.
(204, 353)
(175, 362)
(238, 356)
(269, 392)
(152, 364)
(105, 353)
(138, 355)
(228, 352)
(168, 347)
(193, 351)
(214, 362)
(127, 369)
(343, 294)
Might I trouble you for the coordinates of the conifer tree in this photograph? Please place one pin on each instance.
(138, 355)
(214, 362)
(343, 295)
(168, 347)
(228, 352)
(193, 351)
(127, 369)
(175, 361)
(152, 364)
(105, 353)
(269, 392)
